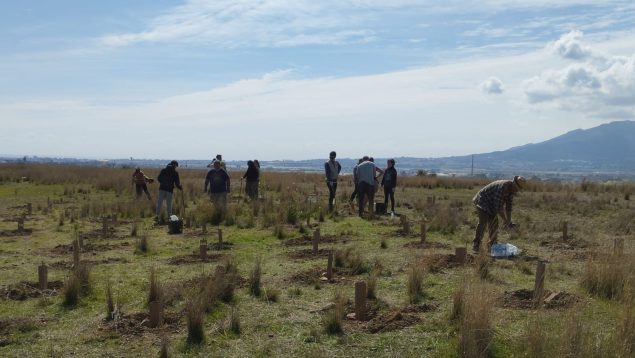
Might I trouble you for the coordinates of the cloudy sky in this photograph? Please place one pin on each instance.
(283, 79)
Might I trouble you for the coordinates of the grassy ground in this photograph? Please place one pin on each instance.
(293, 325)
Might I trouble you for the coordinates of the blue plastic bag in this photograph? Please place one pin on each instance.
(504, 250)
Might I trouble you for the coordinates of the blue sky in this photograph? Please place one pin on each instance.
(280, 79)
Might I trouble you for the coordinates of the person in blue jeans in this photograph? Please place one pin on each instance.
(168, 178)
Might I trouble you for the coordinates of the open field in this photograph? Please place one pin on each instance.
(262, 291)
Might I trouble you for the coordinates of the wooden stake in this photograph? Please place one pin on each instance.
(539, 285)
(220, 236)
(618, 246)
(460, 253)
(188, 222)
(423, 232)
(29, 208)
(156, 314)
(565, 229)
(20, 224)
(329, 266)
(360, 300)
(204, 228)
(202, 249)
(42, 273)
(316, 240)
(405, 225)
(75, 253)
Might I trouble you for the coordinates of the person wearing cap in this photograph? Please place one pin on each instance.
(168, 178)
(493, 200)
(218, 158)
(140, 179)
(332, 169)
(217, 180)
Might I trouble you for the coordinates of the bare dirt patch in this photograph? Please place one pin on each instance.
(25, 290)
(318, 274)
(570, 244)
(68, 249)
(67, 265)
(426, 245)
(137, 324)
(382, 318)
(438, 262)
(308, 240)
(308, 254)
(524, 300)
(193, 258)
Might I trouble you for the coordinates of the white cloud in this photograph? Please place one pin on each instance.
(600, 86)
(570, 46)
(492, 85)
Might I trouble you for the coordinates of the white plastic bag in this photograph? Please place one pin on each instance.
(504, 250)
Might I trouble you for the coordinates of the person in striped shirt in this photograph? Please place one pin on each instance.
(493, 200)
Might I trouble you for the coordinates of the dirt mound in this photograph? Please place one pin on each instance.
(67, 265)
(524, 299)
(25, 290)
(218, 246)
(426, 245)
(11, 233)
(194, 258)
(308, 254)
(438, 262)
(68, 249)
(391, 321)
(136, 324)
(308, 240)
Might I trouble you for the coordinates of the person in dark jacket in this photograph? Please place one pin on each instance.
(389, 182)
(140, 179)
(217, 180)
(253, 177)
(168, 178)
(332, 169)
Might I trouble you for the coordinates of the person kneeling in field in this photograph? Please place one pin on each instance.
(217, 180)
(492, 200)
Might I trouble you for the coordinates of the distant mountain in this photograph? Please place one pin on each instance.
(608, 148)
(603, 152)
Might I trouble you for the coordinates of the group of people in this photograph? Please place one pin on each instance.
(492, 201)
(366, 175)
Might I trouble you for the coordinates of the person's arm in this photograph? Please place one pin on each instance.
(339, 168)
(227, 181)
(379, 170)
(383, 180)
(394, 179)
(177, 181)
(327, 171)
(207, 182)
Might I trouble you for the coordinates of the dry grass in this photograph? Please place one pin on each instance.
(608, 277)
(155, 293)
(414, 283)
(194, 314)
(254, 279)
(333, 319)
(71, 291)
(476, 330)
(110, 303)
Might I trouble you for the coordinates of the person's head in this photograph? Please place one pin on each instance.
(250, 163)
(390, 163)
(360, 160)
(365, 158)
(519, 183)
(174, 163)
(219, 157)
(371, 159)
(332, 155)
(217, 164)
(137, 169)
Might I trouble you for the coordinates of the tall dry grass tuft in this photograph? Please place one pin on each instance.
(155, 293)
(371, 285)
(110, 303)
(414, 283)
(536, 342)
(82, 272)
(164, 352)
(608, 277)
(482, 265)
(234, 320)
(333, 319)
(626, 328)
(575, 339)
(71, 291)
(194, 314)
(254, 279)
(476, 329)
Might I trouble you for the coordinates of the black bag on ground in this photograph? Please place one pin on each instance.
(175, 225)
(380, 208)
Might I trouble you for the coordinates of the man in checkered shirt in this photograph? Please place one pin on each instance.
(492, 200)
